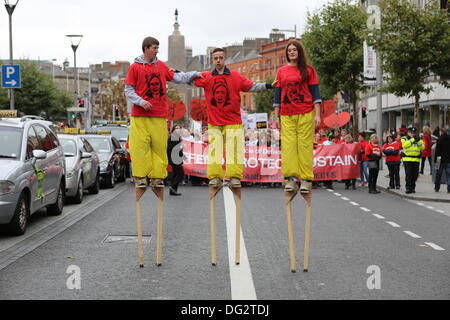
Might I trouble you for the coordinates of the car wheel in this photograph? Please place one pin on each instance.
(19, 222)
(112, 180)
(57, 208)
(96, 187)
(123, 174)
(79, 196)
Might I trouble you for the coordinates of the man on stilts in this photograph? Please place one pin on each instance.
(145, 87)
(222, 93)
(298, 96)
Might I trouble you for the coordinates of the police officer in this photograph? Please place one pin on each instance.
(412, 146)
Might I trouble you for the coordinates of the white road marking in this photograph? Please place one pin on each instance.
(393, 224)
(412, 234)
(430, 207)
(330, 190)
(440, 211)
(337, 194)
(242, 286)
(365, 209)
(434, 246)
(344, 198)
(378, 216)
(420, 203)
(354, 203)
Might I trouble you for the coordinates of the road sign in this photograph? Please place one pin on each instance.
(11, 76)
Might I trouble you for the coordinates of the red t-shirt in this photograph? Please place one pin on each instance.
(396, 145)
(370, 149)
(295, 95)
(149, 81)
(223, 98)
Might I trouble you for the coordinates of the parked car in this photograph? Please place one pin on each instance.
(82, 165)
(32, 171)
(119, 130)
(112, 159)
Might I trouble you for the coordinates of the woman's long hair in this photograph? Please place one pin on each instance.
(302, 58)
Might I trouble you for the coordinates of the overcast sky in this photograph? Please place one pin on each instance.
(113, 30)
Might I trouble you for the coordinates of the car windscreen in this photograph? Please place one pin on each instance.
(10, 142)
(69, 146)
(101, 145)
(120, 133)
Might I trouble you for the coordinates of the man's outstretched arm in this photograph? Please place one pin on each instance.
(185, 77)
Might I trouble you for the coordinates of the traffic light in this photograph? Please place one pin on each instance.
(81, 103)
(73, 115)
(116, 110)
(364, 112)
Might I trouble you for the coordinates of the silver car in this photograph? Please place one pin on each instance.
(82, 165)
(32, 172)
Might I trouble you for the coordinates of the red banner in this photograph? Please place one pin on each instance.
(263, 164)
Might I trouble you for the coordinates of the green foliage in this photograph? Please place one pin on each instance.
(334, 41)
(38, 95)
(414, 43)
(264, 100)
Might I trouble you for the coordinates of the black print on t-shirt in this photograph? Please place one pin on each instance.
(154, 86)
(221, 93)
(293, 94)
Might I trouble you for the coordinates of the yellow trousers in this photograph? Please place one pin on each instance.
(234, 146)
(148, 147)
(297, 139)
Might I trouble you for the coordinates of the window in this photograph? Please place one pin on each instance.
(47, 143)
(53, 139)
(32, 143)
(10, 142)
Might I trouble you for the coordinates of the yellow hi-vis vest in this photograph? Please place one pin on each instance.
(411, 149)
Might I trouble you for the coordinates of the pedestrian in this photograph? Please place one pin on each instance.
(426, 152)
(443, 151)
(373, 153)
(337, 137)
(145, 87)
(349, 182)
(223, 101)
(392, 149)
(328, 183)
(364, 172)
(412, 145)
(175, 156)
(297, 100)
(437, 132)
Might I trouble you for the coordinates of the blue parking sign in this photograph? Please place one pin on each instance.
(11, 76)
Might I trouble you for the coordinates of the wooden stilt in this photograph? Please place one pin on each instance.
(159, 192)
(307, 198)
(212, 195)
(139, 193)
(288, 197)
(237, 200)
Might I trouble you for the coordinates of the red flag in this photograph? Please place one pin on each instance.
(177, 110)
(337, 120)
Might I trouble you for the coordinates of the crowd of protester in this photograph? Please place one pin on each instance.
(373, 150)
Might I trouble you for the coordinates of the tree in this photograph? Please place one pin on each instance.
(38, 95)
(264, 100)
(334, 41)
(113, 94)
(414, 43)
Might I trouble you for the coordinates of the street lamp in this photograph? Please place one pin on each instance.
(294, 31)
(75, 40)
(10, 6)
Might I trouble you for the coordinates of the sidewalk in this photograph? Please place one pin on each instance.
(424, 186)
